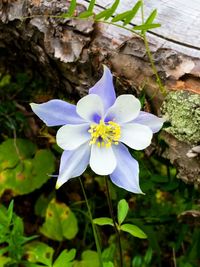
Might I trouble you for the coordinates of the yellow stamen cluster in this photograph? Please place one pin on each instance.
(105, 134)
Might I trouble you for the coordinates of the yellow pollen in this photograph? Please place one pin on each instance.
(105, 134)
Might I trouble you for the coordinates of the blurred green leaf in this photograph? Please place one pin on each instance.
(108, 264)
(89, 259)
(151, 17)
(4, 261)
(148, 256)
(103, 221)
(60, 222)
(42, 204)
(89, 11)
(109, 252)
(10, 211)
(30, 264)
(133, 230)
(38, 252)
(65, 258)
(85, 14)
(21, 171)
(137, 261)
(11, 151)
(91, 5)
(72, 8)
(122, 210)
(5, 80)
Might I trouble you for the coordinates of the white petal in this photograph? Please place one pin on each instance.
(153, 122)
(125, 109)
(126, 174)
(90, 107)
(102, 160)
(70, 137)
(73, 163)
(136, 136)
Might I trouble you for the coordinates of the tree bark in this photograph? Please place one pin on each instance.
(69, 53)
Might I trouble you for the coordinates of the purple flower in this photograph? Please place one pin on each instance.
(96, 130)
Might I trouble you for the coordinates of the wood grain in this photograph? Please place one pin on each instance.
(180, 22)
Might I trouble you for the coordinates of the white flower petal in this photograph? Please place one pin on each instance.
(104, 88)
(102, 160)
(126, 174)
(125, 109)
(153, 122)
(73, 163)
(70, 137)
(136, 136)
(90, 108)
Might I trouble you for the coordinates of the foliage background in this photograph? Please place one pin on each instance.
(44, 227)
(28, 158)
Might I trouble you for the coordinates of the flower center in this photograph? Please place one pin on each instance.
(105, 134)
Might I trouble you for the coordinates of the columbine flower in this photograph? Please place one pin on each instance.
(96, 131)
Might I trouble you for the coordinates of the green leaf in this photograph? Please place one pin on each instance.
(108, 253)
(102, 14)
(65, 258)
(132, 13)
(137, 261)
(148, 256)
(112, 9)
(72, 8)
(22, 167)
(60, 222)
(89, 12)
(5, 80)
(85, 15)
(4, 261)
(151, 17)
(10, 211)
(106, 14)
(4, 219)
(91, 6)
(30, 264)
(127, 16)
(90, 258)
(108, 264)
(38, 252)
(42, 204)
(133, 230)
(103, 221)
(12, 150)
(122, 210)
(3, 250)
(146, 27)
(121, 16)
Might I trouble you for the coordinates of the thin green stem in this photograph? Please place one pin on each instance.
(93, 226)
(143, 33)
(114, 222)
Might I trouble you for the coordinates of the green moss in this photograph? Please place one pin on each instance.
(182, 110)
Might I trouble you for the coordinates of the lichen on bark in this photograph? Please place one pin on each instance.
(182, 110)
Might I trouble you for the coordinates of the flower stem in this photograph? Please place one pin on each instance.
(114, 222)
(93, 226)
(143, 33)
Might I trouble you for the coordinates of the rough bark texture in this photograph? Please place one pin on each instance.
(69, 54)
